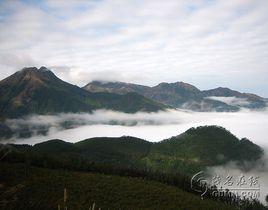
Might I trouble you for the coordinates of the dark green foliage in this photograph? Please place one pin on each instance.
(201, 146)
(129, 103)
(188, 152)
(164, 162)
(123, 150)
(24, 187)
(54, 147)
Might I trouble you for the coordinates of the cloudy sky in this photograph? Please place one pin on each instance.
(208, 43)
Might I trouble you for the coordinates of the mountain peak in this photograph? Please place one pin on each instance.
(33, 74)
(209, 145)
(35, 69)
(40, 91)
(43, 68)
(178, 85)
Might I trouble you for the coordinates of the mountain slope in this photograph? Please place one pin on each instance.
(33, 90)
(173, 94)
(115, 87)
(183, 95)
(246, 100)
(125, 145)
(129, 102)
(124, 172)
(39, 91)
(208, 145)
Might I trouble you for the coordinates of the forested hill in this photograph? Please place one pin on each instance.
(124, 172)
(196, 148)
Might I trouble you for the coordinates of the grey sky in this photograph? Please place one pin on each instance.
(208, 43)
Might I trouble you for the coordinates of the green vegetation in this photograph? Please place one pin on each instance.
(125, 172)
(24, 187)
(200, 147)
(189, 152)
(124, 151)
(39, 91)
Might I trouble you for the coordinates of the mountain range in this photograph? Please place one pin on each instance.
(186, 96)
(40, 91)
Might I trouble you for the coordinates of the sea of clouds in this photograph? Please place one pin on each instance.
(153, 127)
(150, 126)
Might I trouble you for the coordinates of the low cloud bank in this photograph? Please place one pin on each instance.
(251, 183)
(150, 126)
(233, 101)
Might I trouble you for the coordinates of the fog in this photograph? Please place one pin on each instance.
(233, 101)
(259, 172)
(152, 127)
(149, 126)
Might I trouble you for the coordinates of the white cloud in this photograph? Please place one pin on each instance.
(207, 43)
(154, 127)
(231, 100)
(231, 169)
(150, 126)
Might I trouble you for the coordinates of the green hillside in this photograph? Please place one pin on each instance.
(189, 152)
(201, 146)
(23, 187)
(125, 172)
(123, 150)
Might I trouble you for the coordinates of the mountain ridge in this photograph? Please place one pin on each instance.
(40, 91)
(184, 95)
(194, 149)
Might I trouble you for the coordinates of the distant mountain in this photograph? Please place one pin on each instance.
(183, 95)
(115, 87)
(39, 91)
(246, 100)
(193, 150)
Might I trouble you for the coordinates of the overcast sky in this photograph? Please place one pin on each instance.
(207, 43)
